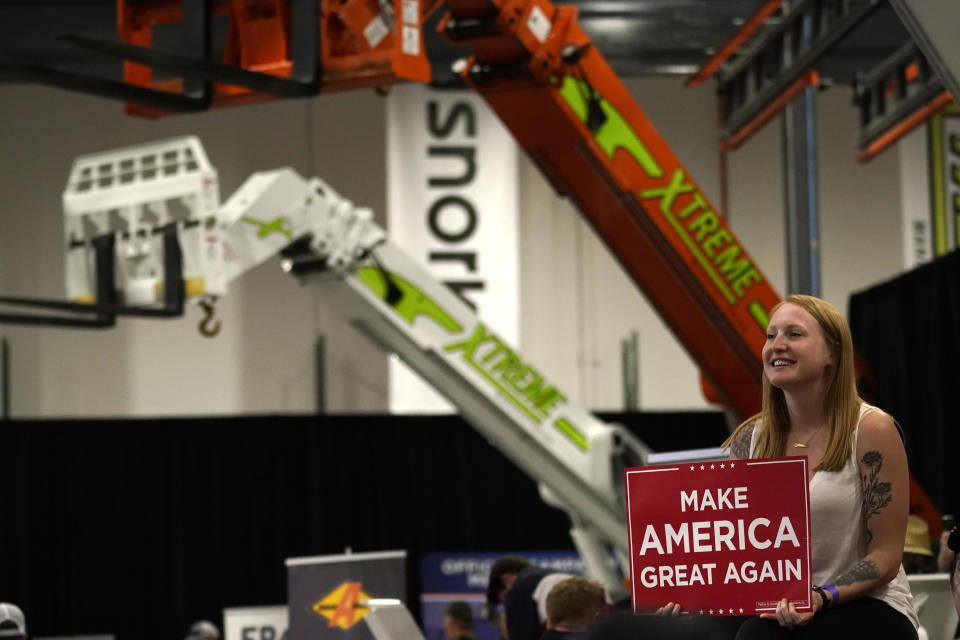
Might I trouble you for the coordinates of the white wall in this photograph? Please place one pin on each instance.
(576, 304)
(861, 227)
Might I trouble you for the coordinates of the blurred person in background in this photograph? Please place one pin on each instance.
(458, 621)
(13, 624)
(574, 605)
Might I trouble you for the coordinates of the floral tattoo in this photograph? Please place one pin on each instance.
(740, 447)
(876, 494)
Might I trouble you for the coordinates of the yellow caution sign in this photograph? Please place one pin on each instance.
(344, 606)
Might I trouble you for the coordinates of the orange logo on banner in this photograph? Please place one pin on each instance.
(342, 605)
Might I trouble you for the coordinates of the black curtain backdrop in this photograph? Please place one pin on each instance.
(907, 331)
(139, 527)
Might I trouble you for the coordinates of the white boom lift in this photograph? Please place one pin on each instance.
(131, 194)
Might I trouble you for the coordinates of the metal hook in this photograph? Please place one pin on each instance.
(210, 325)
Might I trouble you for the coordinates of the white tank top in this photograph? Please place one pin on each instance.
(839, 538)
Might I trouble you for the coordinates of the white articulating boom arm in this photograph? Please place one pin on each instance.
(576, 460)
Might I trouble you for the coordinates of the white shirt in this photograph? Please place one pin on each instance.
(839, 537)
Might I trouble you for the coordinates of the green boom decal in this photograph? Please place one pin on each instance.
(413, 302)
(615, 133)
(713, 247)
(515, 379)
(483, 351)
(266, 228)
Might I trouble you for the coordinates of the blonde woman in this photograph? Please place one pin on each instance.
(859, 482)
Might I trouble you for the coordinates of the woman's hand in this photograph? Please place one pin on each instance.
(788, 616)
(669, 609)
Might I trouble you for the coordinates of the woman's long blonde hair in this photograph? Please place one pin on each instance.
(841, 401)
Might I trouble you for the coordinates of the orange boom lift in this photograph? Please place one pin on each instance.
(566, 107)
(553, 90)
(547, 82)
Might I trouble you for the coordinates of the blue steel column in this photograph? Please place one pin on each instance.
(800, 183)
(800, 180)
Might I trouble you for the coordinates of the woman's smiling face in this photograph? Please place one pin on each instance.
(795, 353)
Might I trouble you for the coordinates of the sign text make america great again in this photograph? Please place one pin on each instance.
(720, 538)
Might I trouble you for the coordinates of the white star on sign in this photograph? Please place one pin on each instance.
(713, 466)
(721, 465)
(711, 611)
(741, 610)
(701, 611)
(732, 465)
(691, 467)
(701, 467)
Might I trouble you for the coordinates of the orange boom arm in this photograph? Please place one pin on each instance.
(565, 106)
(569, 111)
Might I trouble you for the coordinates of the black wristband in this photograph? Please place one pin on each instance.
(825, 601)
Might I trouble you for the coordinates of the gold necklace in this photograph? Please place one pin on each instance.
(803, 445)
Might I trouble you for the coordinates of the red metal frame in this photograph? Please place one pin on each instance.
(258, 39)
(742, 134)
(905, 126)
(733, 45)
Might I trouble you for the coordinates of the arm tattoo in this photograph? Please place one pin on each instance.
(876, 494)
(863, 570)
(740, 447)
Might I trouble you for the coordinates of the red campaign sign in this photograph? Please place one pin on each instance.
(720, 538)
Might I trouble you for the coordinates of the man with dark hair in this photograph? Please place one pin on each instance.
(521, 588)
(502, 575)
(573, 606)
(458, 621)
(13, 625)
